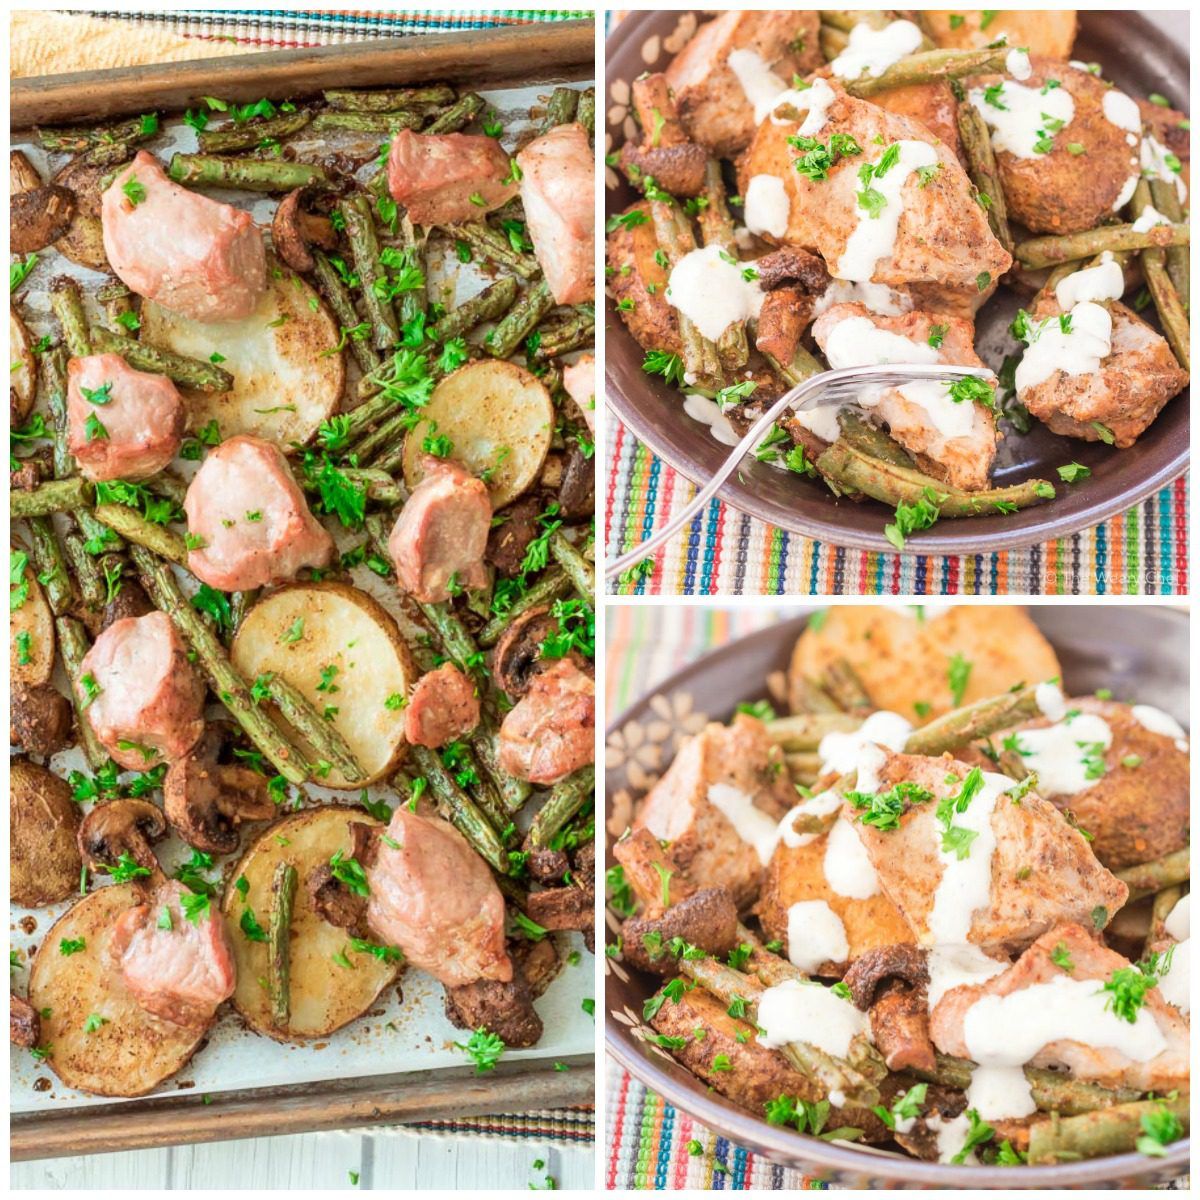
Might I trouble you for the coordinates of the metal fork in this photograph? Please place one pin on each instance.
(828, 389)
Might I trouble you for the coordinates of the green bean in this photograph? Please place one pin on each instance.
(190, 372)
(578, 329)
(872, 441)
(494, 247)
(70, 141)
(842, 683)
(807, 696)
(521, 320)
(581, 572)
(716, 229)
(490, 304)
(981, 166)
(461, 810)
(73, 645)
(246, 174)
(279, 944)
(805, 731)
(1148, 878)
(1097, 1134)
(929, 66)
(1171, 312)
(1165, 198)
(320, 734)
(560, 108)
(373, 122)
(458, 115)
(586, 113)
(388, 101)
(337, 295)
(59, 495)
(88, 574)
(130, 523)
(553, 585)
(67, 302)
(566, 799)
(360, 230)
(252, 134)
(962, 726)
(117, 300)
(51, 565)
(1066, 247)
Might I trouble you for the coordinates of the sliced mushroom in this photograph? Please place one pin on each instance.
(123, 827)
(22, 174)
(39, 720)
(130, 601)
(294, 229)
(331, 899)
(24, 1024)
(707, 918)
(505, 1009)
(577, 492)
(891, 982)
(517, 657)
(548, 866)
(38, 217)
(509, 541)
(206, 800)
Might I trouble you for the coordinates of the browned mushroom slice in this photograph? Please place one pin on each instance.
(39, 721)
(506, 1009)
(891, 983)
(206, 800)
(123, 831)
(547, 866)
(293, 230)
(130, 601)
(577, 490)
(24, 1025)
(707, 918)
(38, 217)
(22, 174)
(677, 169)
(518, 654)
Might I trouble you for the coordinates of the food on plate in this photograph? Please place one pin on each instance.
(302, 579)
(961, 933)
(901, 180)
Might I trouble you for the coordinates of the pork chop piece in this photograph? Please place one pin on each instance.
(193, 255)
(1024, 870)
(441, 534)
(665, 153)
(551, 732)
(443, 706)
(637, 281)
(558, 186)
(952, 439)
(579, 380)
(254, 525)
(435, 176)
(731, 65)
(1049, 188)
(932, 105)
(1123, 377)
(923, 225)
(178, 966)
(1053, 990)
(435, 898)
(121, 423)
(149, 700)
(1120, 770)
(719, 805)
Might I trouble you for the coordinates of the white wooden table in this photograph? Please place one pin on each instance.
(324, 1161)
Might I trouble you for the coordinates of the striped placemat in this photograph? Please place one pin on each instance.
(723, 551)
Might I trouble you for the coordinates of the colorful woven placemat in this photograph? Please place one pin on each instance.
(723, 551)
(273, 30)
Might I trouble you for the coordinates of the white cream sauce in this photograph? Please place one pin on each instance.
(707, 412)
(767, 205)
(1080, 351)
(839, 752)
(1175, 985)
(813, 101)
(794, 1011)
(871, 51)
(871, 760)
(875, 297)
(1017, 63)
(874, 237)
(952, 966)
(1149, 218)
(1126, 193)
(951, 1136)
(760, 85)
(1157, 165)
(1000, 1092)
(1121, 111)
(713, 292)
(816, 935)
(750, 823)
(847, 866)
(1105, 281)
(1057, 753)
(1157, 721)
(820, 805)
(1050, 701)
(1179, 921)
(1021, 122)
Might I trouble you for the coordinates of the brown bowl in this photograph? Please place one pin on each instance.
(1138, 652)
(1136, 56)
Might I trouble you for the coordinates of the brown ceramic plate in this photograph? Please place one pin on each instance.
(1137, 57)
(1138, 652)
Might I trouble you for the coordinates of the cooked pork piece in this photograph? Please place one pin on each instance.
(174, 956)
(931, 104)
(579, 380)
(719, 804)
(1055, 989)
(551, 731)
(654, 107)
(254, 525)
(435, 898)
(121, 423)
(435, 175)
(148, 704)
(195, 256)
(719, 76)
(1041, 870)
(1048, 187)
(1120, 770)
(441, 534)
(940, 234)
(1115, 400)
(951, 439)
(443, 706)
(1168, 126)
(637, 279)
(558, 185)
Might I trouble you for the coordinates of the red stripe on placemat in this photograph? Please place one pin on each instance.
(616, 1133)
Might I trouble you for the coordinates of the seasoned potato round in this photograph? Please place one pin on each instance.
(324, 995)
(498, 417)
(342, 650)
(1043, 32)
(287, 376)
(44, 861)
(22, 379)
(30, 632)
(132, 1051)
(904, 658)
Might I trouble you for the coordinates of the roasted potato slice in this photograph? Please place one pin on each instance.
(44, 861)
(83, 243)
(22, 379)
(1051, 33)
(132, 1051)
(903, 658)
(498, 417)
(324, 995)
(303, 631)
(287, 372)
(30, 631)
